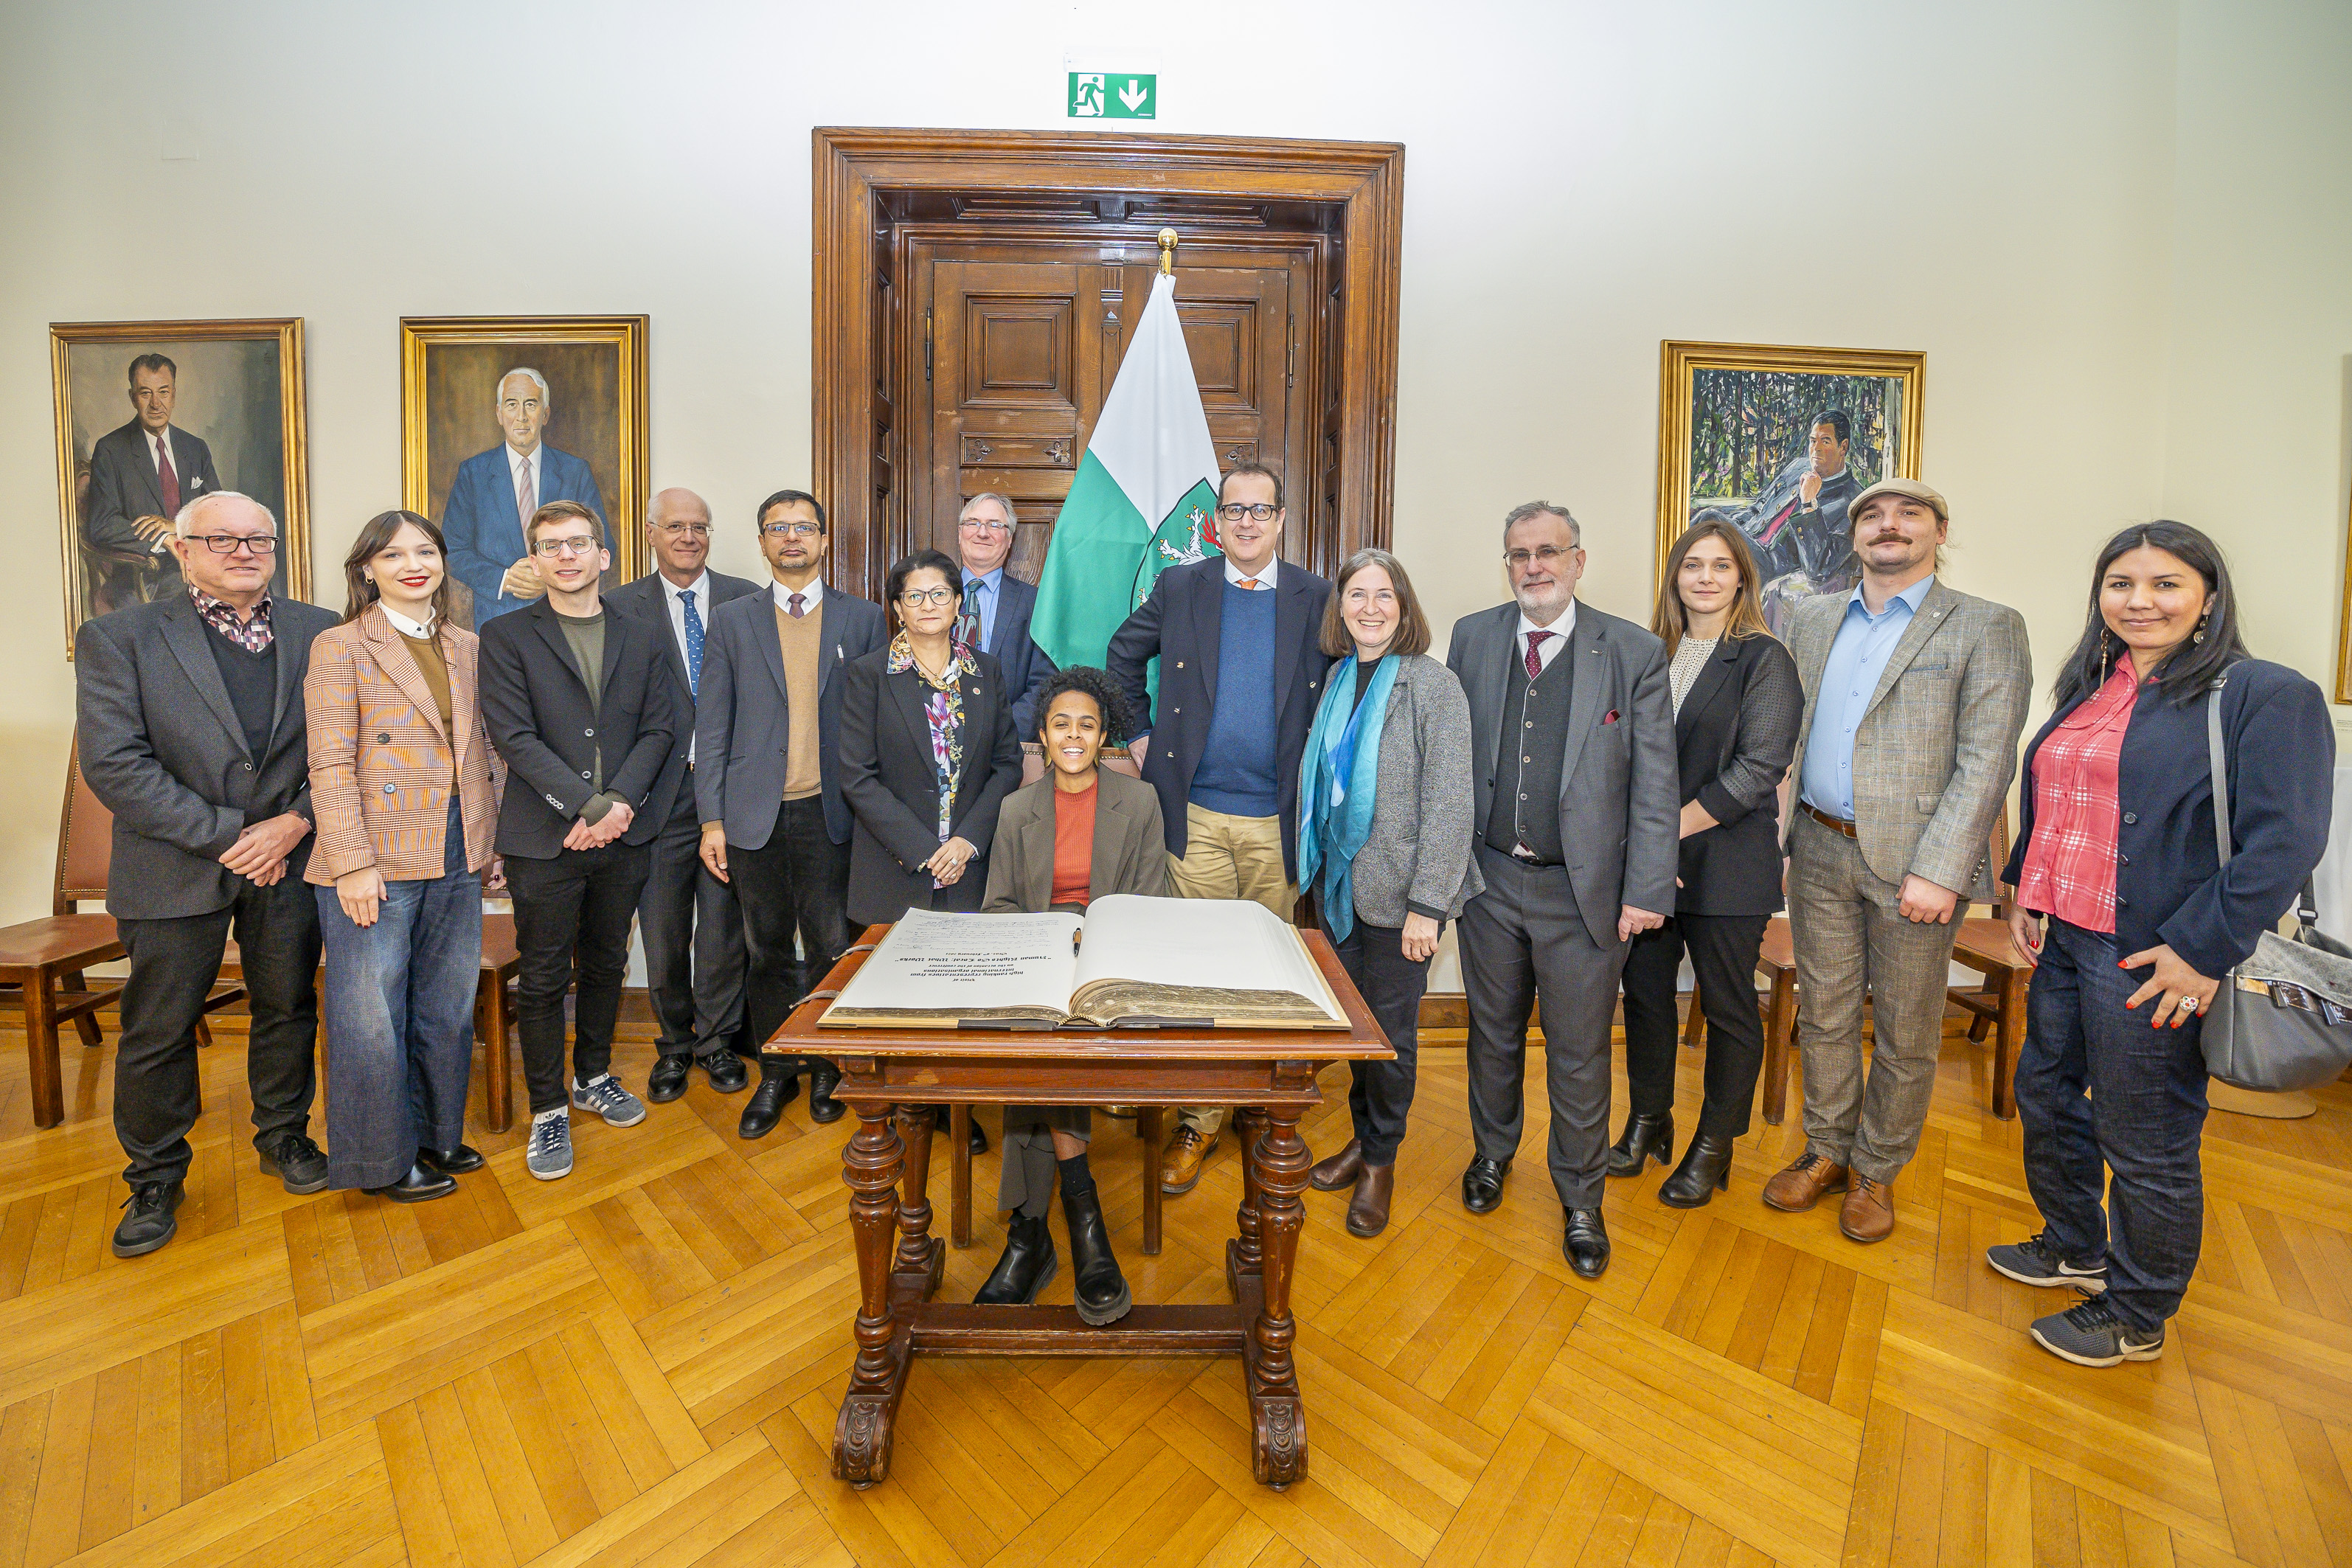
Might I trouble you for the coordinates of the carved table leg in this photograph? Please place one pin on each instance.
(1277, 1416)
(1242, 1256)
(922, 1256)
(861, 1438)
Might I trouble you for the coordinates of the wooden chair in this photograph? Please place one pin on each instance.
(41, 960)
(493, 1017)
(1998, 1005)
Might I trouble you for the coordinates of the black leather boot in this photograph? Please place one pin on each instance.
(1646, 1138)
(1028, 1265)
(1100, 1288)
(1706, 1170)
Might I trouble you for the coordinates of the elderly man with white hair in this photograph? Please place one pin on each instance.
(495, 492)
(997, 604)
(192, 732)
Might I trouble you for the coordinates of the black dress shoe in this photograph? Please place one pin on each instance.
(152, 1220)
(450, 1161)
(1706, 1170)
(1587, 1243)
(419, 1186)
(1027, 1267)
(1646, 1138)
(1099, 1288)
(1482, 1184)
(767, 1104)
(824, 1077)
(727, 1073)
(667, 1080)
(294, 1160)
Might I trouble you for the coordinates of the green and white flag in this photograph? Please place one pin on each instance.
(1144, 500)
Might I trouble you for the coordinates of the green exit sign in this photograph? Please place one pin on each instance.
(1110, 95)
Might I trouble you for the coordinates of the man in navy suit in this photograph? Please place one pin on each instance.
(996, 605)
(497, 490)
(142, 473)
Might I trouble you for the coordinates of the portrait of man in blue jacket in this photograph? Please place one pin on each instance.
(495, 492)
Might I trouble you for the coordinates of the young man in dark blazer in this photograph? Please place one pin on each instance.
(767, 783)
(192, 732)
(1238, 638)
(693, 931)
(997, 606)
(1573, 727)
(578, 702)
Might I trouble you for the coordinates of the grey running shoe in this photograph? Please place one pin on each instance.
(2036, 1262)
(605, 1096)
(550, 1156)
(2092, 1335)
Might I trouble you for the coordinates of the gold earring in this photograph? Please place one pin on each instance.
(2102, 649)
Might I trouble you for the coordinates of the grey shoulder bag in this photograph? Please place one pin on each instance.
(2283, 1019)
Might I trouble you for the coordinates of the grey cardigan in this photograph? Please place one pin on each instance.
(1418, 859)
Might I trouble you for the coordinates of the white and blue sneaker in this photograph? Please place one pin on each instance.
(2036, 1262)
(550, 1155)
(603, 1095)
(2092, 1335)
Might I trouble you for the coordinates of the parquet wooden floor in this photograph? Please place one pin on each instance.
(640, 1364)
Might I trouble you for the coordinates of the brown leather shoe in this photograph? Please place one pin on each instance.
(1868, 1213)
(1804, 1184)
(1180, 1167)
(1339, 1171)
(1367, 1211)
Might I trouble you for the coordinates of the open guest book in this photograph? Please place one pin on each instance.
(1128, 963)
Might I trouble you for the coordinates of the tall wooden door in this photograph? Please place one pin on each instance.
(1020, 337)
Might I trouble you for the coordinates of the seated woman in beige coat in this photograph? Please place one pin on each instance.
(1079, 834)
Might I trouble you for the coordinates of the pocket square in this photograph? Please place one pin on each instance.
(1609, 717)
(197, 483)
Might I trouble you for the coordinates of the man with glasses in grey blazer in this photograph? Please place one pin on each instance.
(1914, 695)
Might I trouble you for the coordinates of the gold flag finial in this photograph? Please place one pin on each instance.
(1168, 252)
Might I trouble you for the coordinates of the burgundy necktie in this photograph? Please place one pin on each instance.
(166, 478)
(1535, 662)
(795, 606)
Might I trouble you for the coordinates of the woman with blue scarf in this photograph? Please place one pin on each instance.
(1384, 834)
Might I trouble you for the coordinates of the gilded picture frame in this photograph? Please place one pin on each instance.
(2343, 620)
(1775, 438)
(228, 397)
(459, 466)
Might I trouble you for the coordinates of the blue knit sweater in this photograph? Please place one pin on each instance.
(1236, 773)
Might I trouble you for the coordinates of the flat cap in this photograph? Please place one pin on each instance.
(1912, 488)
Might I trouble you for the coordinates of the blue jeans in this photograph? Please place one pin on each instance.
(2142, 1120)
(399, 1025)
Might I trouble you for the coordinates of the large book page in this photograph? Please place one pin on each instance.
(1227, 959)
(937, 967)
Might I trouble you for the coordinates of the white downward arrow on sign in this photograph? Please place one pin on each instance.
(1132, 95)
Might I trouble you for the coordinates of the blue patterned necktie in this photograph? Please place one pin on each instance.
(968, 624)
(693, 643)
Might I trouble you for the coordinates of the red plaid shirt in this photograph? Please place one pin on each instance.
(2070, 866)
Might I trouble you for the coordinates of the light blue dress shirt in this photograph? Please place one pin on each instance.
(980, 594)
(1857, 659)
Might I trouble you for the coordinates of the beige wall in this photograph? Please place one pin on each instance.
(2117, 230)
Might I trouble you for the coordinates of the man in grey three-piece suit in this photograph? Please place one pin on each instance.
(1914, 695)
(1578, 796)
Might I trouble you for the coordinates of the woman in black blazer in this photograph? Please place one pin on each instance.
(927, 753)
(1736, 706)
(2116, 849)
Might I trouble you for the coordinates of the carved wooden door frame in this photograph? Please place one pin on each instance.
(854, 164)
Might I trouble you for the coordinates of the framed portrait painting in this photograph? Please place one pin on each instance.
(1778, 441)
(500, 415)
(152, 414)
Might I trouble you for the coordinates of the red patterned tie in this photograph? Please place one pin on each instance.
(167, 478)
(1535, 662)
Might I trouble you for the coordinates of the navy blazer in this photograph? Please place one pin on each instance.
(1027, 667)
(2170, 887)
(1178, 625)
(485, 533)
(645, 599)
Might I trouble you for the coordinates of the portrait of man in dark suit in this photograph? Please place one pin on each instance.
(143, 472)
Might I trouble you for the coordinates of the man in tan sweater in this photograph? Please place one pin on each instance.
(767, 730)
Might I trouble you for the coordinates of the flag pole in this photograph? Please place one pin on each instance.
(1168, 253)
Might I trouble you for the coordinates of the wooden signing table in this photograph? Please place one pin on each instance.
(888, 1076)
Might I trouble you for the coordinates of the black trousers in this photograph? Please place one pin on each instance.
(173, 963)
(1723, 956)
(1382, 1092)
(793, 891)
(694, 943)
(573, 909)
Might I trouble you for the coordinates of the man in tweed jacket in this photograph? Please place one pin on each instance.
(1914, 694)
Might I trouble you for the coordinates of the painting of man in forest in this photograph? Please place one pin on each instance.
(1780, 454)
